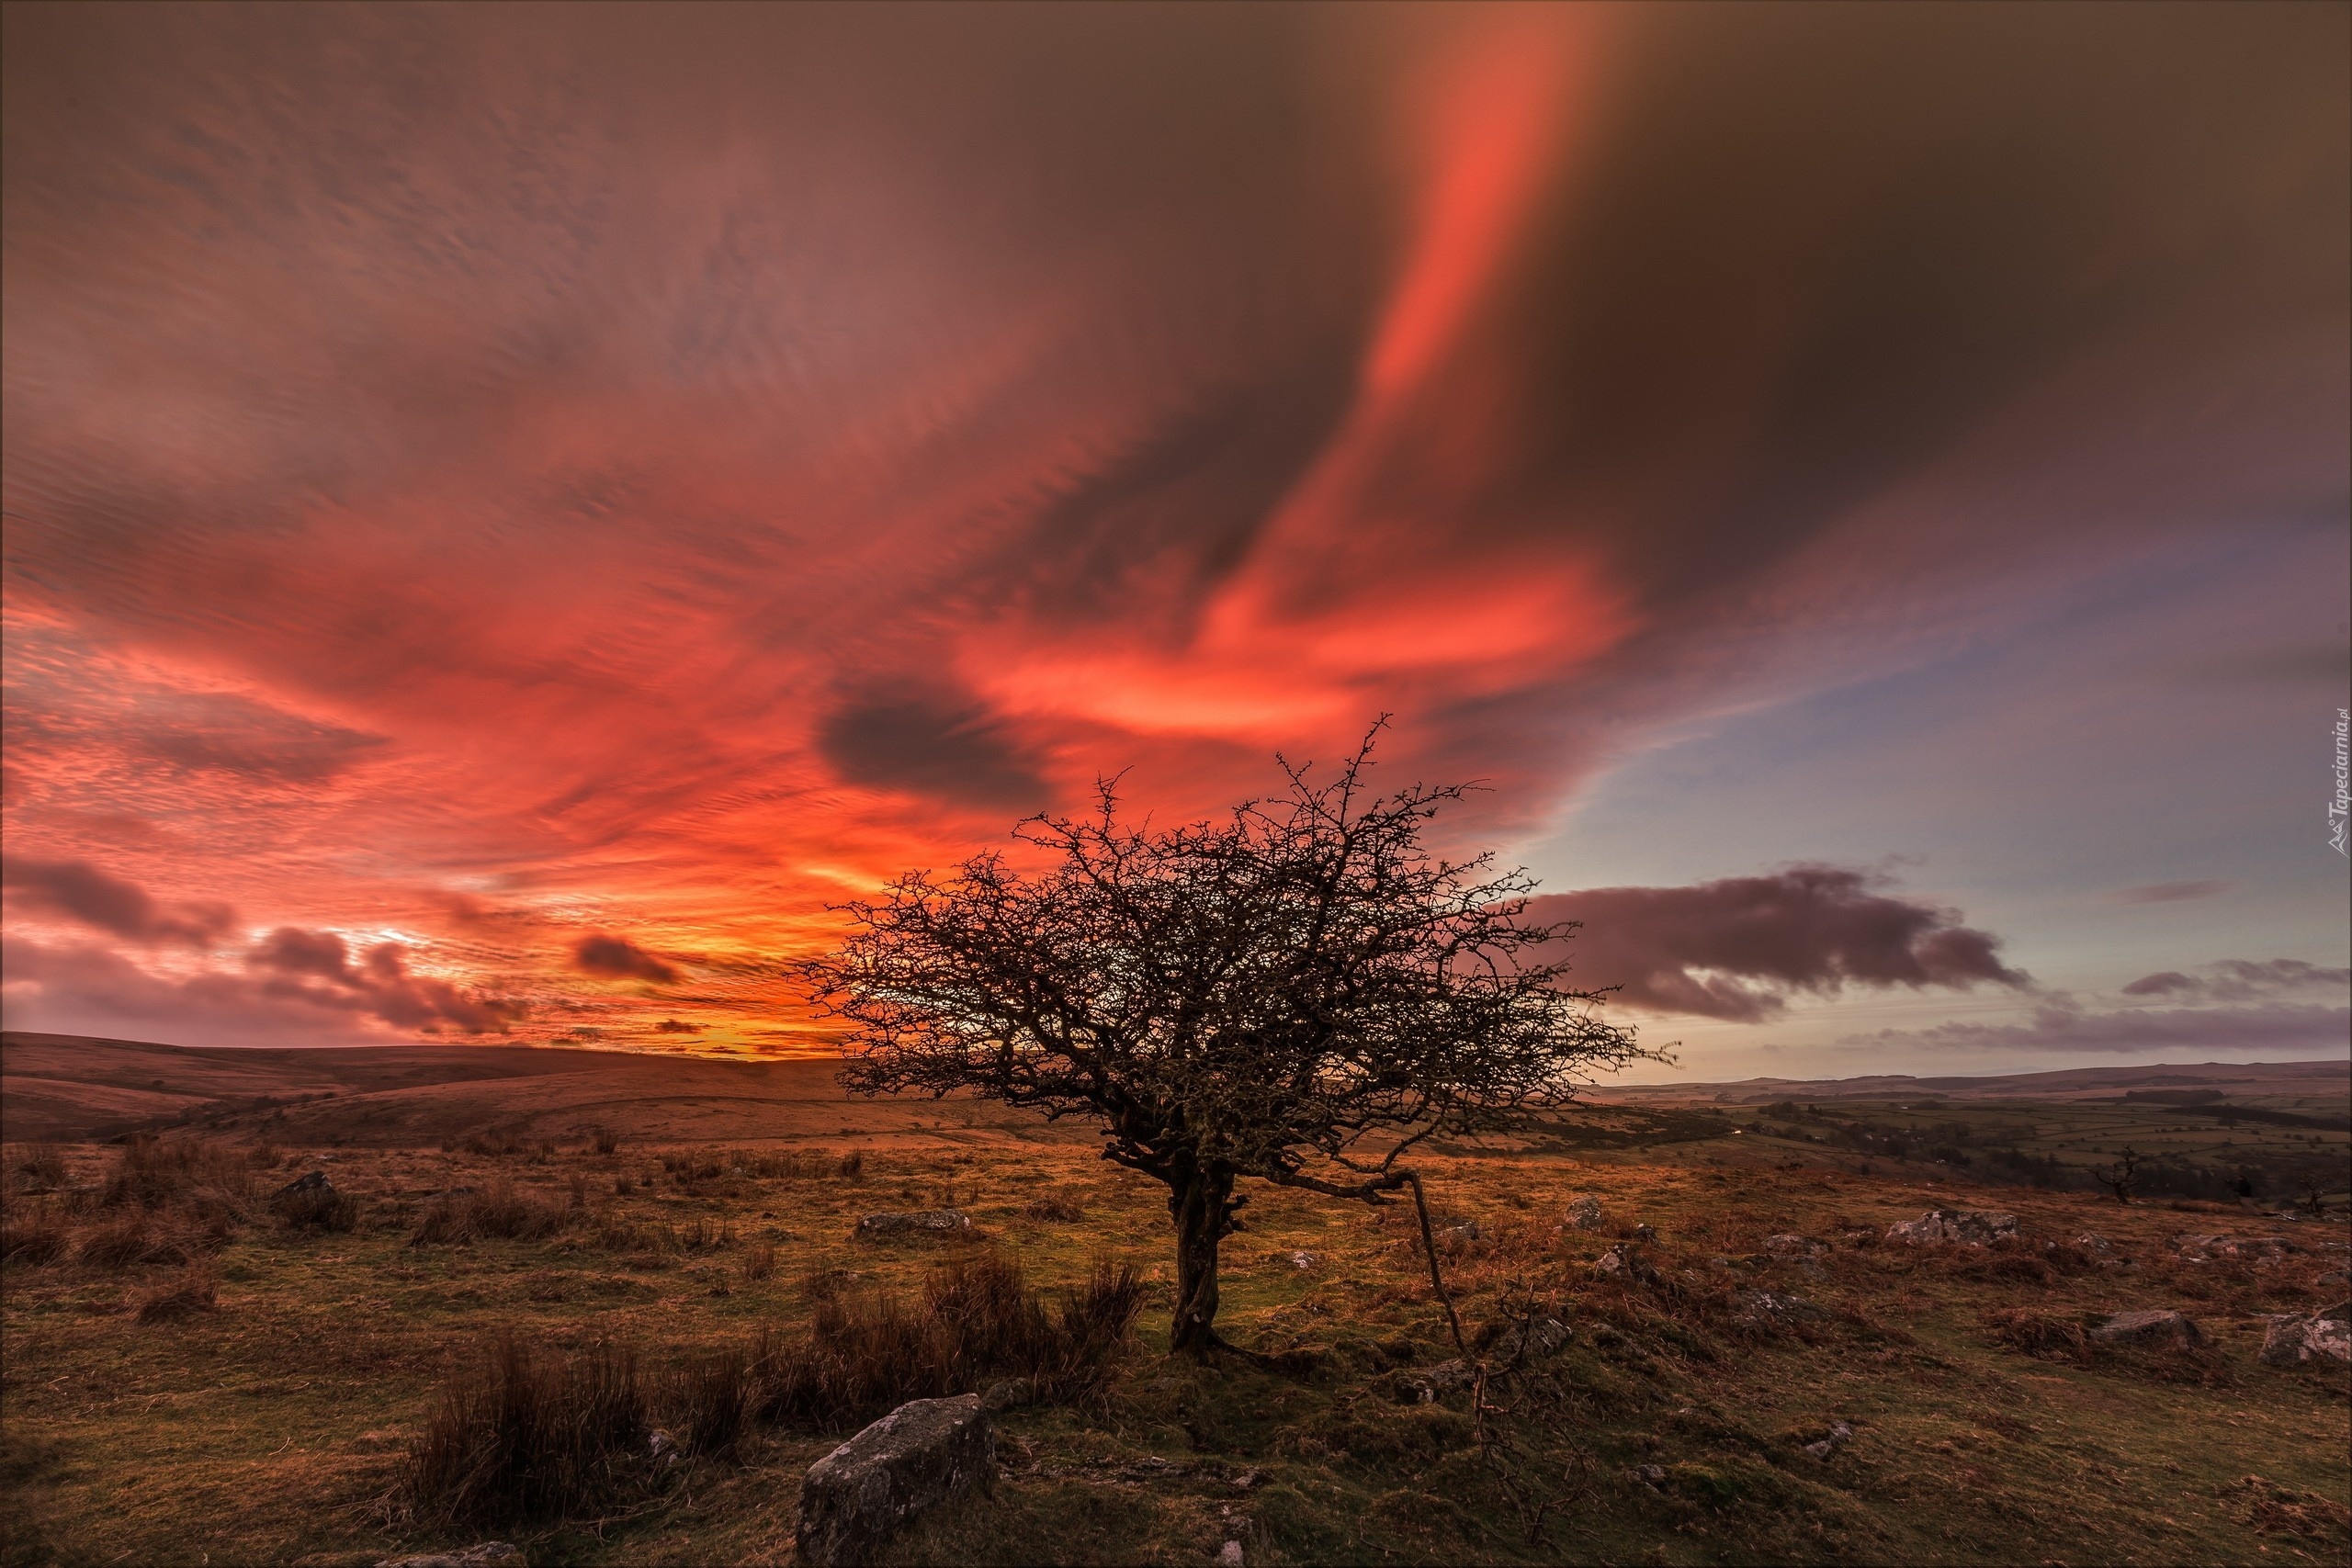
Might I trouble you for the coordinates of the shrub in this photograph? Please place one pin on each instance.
(530, 1436)
(190, 1291)
(497, 1211)
(604, 1141)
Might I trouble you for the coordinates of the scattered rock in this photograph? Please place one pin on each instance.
(2334, 1277)
(921, 1222)
(1649, 1474)
(2297, 1337)
(1839, 1435)
(1969, 1227)
(1584, 1214)
(1302, 1260)
(1779, 1308)
(663, 1448)
(1790, 1245)
(1429, 1386)
(1010, 1393)
(1626, 1261)
(1544, 1337)
(1229, 1555)
(2149, 1328)
(489, 1554)
(1466, 1232)
(1644, 1232)
(2241, 1248)
(919, 1456)
(316, 1181)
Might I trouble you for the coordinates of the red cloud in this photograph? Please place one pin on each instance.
(618, 958)
(81, 892)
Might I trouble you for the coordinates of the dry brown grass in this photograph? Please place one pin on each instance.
(179, 1172)
(498, 1211)
(32, 1234)
(195, 1289)
(524, 1435)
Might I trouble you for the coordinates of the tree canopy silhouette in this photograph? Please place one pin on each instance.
(1300, 993)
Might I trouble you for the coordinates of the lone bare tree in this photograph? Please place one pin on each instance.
(2122, 1178)
(1300, 993)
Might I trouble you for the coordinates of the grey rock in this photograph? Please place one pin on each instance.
(1644, 1232)
(1544, 1337)
(662, 1447)
(2149, 1328)
(1428, 1386)
(1468, 1230)
(1968, 1227)
(2295, 1338)
(921, 1222)
(310, 1182)
(1229, 1555)
(1302, 1260)
(1649, 1474)
(1778, 1307)
(921, 1455)
(1584, 1214)
(1790, 1245)
(1625, 1261)
(2239, 1248)
(1009, 1393)
(1839, 1435)
(489, 1554)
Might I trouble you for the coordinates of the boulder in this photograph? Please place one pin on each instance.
(2148, 1328)
(1967, 1228)
(1626, 1261)
(1584, 1214)
(921, 1222)
(921, 1455)
(2298, 1337)
(1010, 1393)
(2239, 1248)
(489, 1554)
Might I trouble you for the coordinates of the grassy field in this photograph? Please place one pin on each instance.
(270, 1426)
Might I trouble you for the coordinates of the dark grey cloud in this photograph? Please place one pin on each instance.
(2274, 1026)
(378, 984)
(2240, 979)
(618, 958)
(80, 891)
(1736, 948)
(931, 742)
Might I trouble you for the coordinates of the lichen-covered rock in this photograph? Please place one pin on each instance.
(1626, 1261)
(489, 1554)
(921, 1455)
(1584, 1214)
(2239, 1249)
(1434, 1383)
(921, 1222)
(1967, 1228)
(2297, 1337)
(1644, 1232)
(2149, 1328)
(1792, 1246)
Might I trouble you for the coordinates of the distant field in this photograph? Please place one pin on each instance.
(270, 1426)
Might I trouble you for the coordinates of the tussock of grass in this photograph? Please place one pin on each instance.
(32, 1234)
(977, 1319)
(527, 1436)
(131, 1240)
(498, 1211)
(187, 1173)
(194, 1289)
(316, 1209)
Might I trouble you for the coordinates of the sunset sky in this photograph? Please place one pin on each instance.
(511, 510)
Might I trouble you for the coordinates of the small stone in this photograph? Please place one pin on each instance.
(1302, 1260)
(1584, 1214)
(921, 1222)
(2149, 1328)
(1778, 1307)
(1839, 1435)
(1967, 1228)
(1644, 1232)
(302, 1186)
(1650, 1475)
(1625, 1261)
(1428, 1387)
(1466, 1232)
(921, 1455)
(2254, 1249)
(1790, 1245)
(2295, 1338)
(1229, 1555)
(663, 1446)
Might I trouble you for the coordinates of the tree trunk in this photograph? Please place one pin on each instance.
(1202, 1202)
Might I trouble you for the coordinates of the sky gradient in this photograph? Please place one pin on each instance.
(511, 510)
